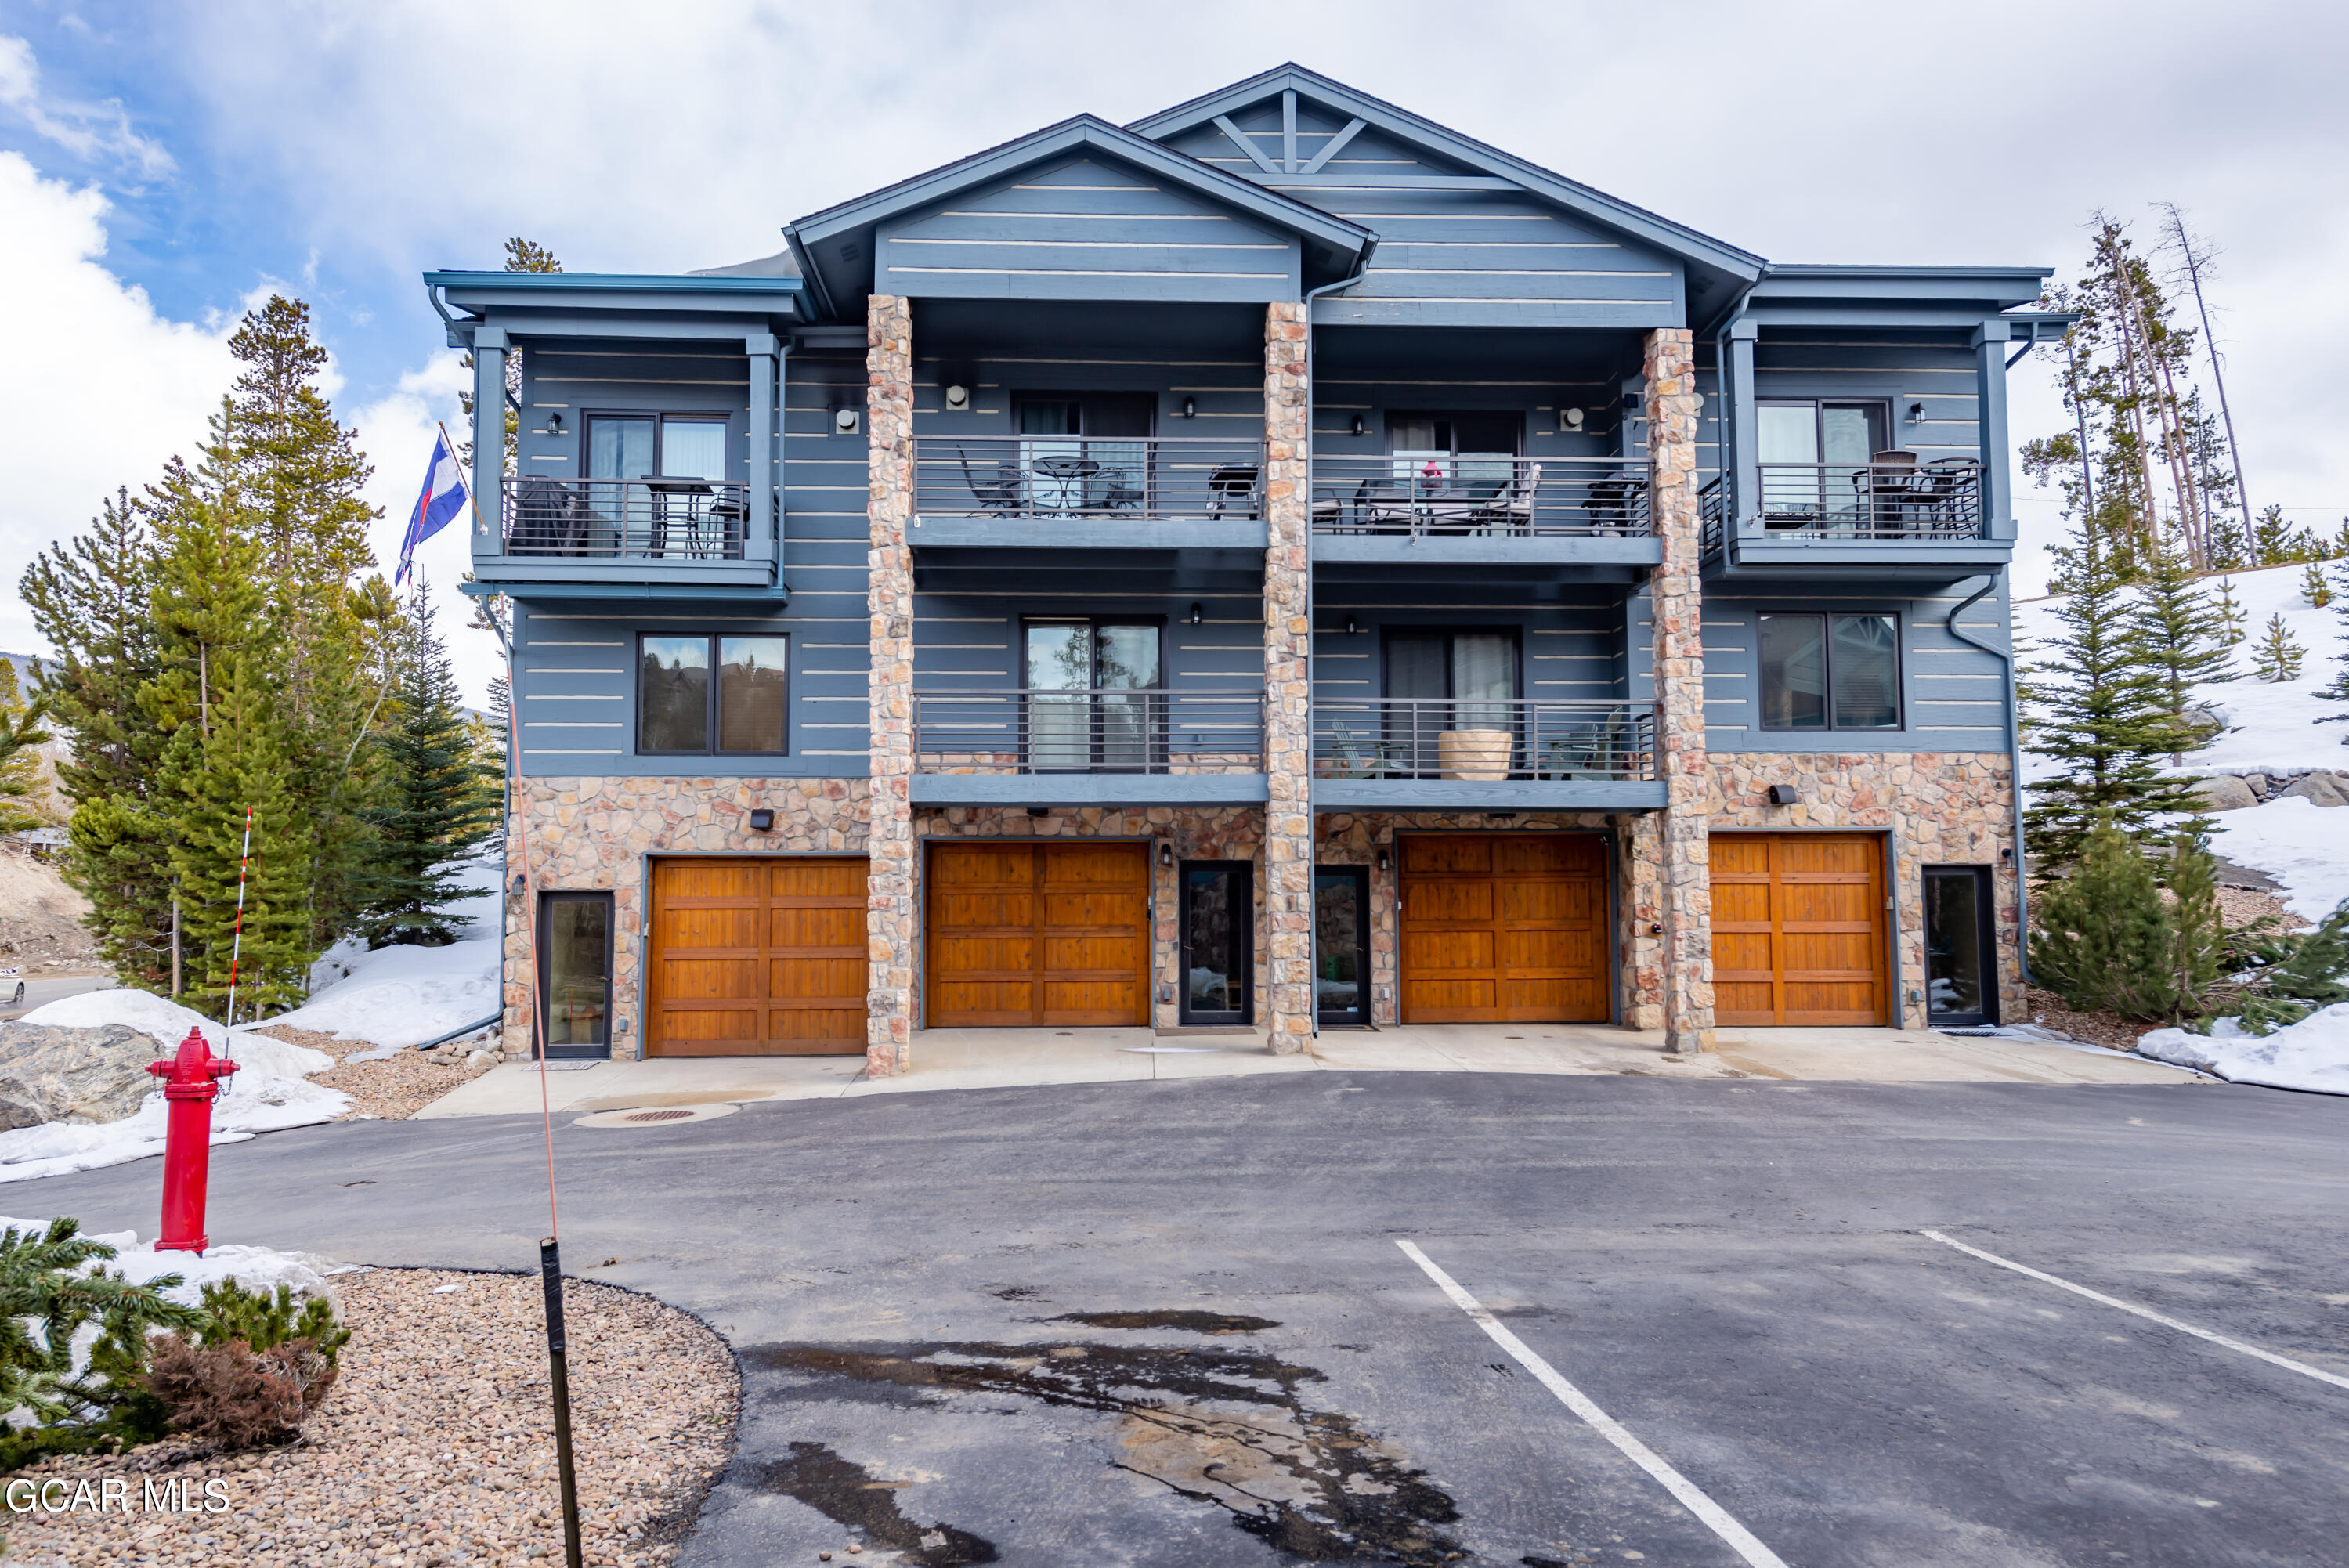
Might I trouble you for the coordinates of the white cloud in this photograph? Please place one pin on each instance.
(99, 389)
(96, 132)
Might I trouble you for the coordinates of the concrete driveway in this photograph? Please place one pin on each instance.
(1171, 1323)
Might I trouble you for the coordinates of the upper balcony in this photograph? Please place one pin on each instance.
(1892, 516)
(1061, 510)
(1463, 517)
(675, 529)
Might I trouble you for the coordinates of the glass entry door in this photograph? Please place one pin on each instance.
(575, 973)
(1341, 945)
(1089, 707)
(1961, 988)
(1219, 943)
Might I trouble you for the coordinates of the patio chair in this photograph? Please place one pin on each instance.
(1512, 511)
(1000, 494)
(1351, 759)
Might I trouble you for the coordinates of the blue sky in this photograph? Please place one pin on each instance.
(159, 164)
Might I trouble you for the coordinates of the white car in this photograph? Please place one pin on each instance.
(12, 981)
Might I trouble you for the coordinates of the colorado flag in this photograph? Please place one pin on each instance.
(444, 497)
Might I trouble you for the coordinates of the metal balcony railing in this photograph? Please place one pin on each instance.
(1089, 731)
(1068, 478)
(1835, 503)
(1419, 493)
(654, 519)
(1483, 739)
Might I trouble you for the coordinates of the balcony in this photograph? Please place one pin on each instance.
(1519, 754)
(1148, 748)
(1905, 519)
(1171, 506)
(678, 530)
(1462, 516)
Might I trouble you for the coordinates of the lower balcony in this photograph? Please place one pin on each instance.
(628, 533)
(1479, 753)
(1106, 747)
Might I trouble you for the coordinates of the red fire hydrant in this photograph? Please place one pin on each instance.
(190, 1084)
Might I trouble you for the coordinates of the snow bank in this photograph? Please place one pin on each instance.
(2302, 845)
(257, 1269)
(2273, 722)
(405, 995)
(2313, 1053)
(270, 1092)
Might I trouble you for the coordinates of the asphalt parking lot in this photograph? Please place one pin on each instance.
(1173, 1322)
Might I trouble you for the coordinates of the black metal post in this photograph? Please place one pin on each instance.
(550, 1270)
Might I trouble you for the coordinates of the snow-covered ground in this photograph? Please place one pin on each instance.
(404, 995)
(2313, 1053)
(258, 1269)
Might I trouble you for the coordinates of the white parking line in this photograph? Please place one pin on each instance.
(1716, 1518)
(2286, 1362)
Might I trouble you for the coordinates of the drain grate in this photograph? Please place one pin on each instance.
(659, 1115)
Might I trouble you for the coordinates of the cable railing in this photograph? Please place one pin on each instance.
(658, 518)
(1834, 502)
(1152, 731)
(1423, 493)
(1484, 739)
(1096, 478)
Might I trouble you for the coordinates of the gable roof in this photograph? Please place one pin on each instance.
(1698, 251)
(834, 246)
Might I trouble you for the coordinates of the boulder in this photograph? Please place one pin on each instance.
(52, 1074)
(2258, 784)
(2225, 792)
(2321, 789)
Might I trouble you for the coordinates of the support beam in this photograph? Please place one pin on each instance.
(1334, 145)
(1684, 889)
(1990, 425)
(1744, 427)
(889, 919)
(760, 542)
(1288, 131)
(1246, 143)
(489, 441)
(1288, 681)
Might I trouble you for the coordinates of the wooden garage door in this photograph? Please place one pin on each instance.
(1503, 930)
(1039, 934)
(1798, 928)
(757, 958)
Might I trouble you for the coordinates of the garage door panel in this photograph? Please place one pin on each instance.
(1038, 934)
(757, 956)
(1504, 928)
(1798, 932)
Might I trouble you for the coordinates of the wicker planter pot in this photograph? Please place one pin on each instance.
(1479, 753)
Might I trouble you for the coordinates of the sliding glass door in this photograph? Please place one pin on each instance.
(1089, 708)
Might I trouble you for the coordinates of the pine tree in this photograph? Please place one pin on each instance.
(2106, 940)
(20, 763)
(2337, 689)
(2275, 542)
(240, 766)
(2234, 625)
(2315, 587)
(2100, 712)
(2278, 657)
(2178, 642)
(2337, 547)
(2199, 929)
(439, 802)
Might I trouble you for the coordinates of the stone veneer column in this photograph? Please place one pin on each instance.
(889, 598)
(1676, 604)
(1288, 695)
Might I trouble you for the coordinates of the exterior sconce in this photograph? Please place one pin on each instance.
(1197, 615)
(1382, 860)
(555, 423)
(1916, 413)
(1350, 628)
(958, 399)
(762, 820)
(1167, 854)
(845, 421)
(1190, 407)
(1358, 424)
(1783, 795)
(1569, 421)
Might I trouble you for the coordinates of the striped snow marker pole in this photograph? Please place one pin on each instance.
(236, 943)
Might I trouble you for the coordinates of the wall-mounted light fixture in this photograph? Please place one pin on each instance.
(1916, 413)
(1383, 861)
(1165, 853)
(1040, 811)
(1569, 420)
(1190, 407)
(846, 421)
(1351, 628)
(762, 820)
(958, 399)
(1358, 424)
(555, 423)
(1197, 615)
(1502, 816)
(1783, 795)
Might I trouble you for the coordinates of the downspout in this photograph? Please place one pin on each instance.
(1723, 413)
(1312, 831)
(2015, 737)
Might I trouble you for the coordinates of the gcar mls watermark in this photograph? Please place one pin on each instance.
(112, 1494)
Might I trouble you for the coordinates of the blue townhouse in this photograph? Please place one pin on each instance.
(1281, 564)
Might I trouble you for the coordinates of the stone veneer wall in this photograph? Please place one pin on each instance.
(1355, 839)
(1941, 809)
(1676, 600)
(1287, 873)
(593, 834)
(889, 914)
(1197, 833)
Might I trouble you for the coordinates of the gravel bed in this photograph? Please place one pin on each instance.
(437, 1445)
(391, 1089)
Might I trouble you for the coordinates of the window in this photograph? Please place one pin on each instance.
(1830, 672)
(1088, 686)
(1811, 455)
(633, 445)
(1474, 450)
(679, 708)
